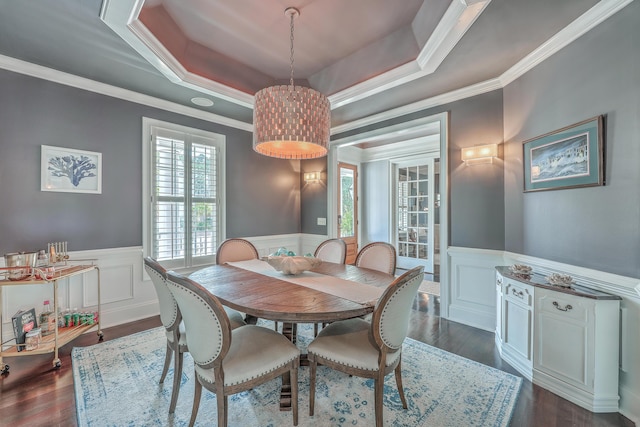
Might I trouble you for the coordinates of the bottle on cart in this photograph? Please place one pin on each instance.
(75, 314)
(47, 319)
(68, 320)
(60, 318)
(43, 258)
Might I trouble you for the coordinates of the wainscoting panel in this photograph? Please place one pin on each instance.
(301, 244)
(120, 280)
(269, 244)
(472, 298)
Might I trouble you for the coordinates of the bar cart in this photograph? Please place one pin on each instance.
(61, 336)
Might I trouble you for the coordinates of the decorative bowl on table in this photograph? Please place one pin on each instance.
(292, 264)
(520, 269)
(563, 280)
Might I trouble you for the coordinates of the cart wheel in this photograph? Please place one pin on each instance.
(100, 336)
(57, 364)
(4, 370)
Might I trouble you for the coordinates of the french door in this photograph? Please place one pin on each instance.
(415, 213)
(348, 208)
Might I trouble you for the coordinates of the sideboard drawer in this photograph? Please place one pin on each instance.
(564, 306)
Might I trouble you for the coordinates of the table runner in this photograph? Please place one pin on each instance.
(360, 293)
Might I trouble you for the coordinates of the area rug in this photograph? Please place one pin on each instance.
(116, 384)
(429, 287)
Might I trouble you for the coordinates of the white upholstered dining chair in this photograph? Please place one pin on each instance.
(369, 349)
(171, 319)
(332, 250)
(379, 256)
(232, 250)
(229, 361)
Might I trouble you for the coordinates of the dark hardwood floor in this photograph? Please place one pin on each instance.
(33, 393)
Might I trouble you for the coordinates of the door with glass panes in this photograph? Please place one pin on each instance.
(415, 213)
(348, 209)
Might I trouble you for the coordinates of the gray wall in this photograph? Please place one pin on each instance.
(313, 197)
(476, 205)
(34, 112)
(595, 227)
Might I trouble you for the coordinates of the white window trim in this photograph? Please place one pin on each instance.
(147, 125)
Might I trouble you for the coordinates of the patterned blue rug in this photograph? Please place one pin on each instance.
(116, 384)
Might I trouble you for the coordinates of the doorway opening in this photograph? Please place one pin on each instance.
(420, 236)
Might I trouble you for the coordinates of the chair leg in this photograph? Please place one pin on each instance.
(294, 390)
(177, 376)
(399, 384)
(379, 391)
(196, 400)
(315, 329)
(222, 409)
(167, 361)
(312, 383)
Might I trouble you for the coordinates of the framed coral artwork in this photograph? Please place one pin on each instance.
(69, 170)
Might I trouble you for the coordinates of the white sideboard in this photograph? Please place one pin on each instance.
(563, 339)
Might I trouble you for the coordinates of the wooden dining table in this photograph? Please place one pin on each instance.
(326, 293)
(331, 292)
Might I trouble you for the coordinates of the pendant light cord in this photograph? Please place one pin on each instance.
(291, 38)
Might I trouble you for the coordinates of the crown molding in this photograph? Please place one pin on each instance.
(593, 17)
(38, 71)
(417, 136)
(600, 12)
(445, 98)
(122, 18)
(587, 21)
(456, 21)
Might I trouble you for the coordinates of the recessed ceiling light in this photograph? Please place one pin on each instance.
(203, 102)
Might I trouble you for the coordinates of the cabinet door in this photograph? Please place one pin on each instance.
(564, 338)
(499, 321)
(517, 328)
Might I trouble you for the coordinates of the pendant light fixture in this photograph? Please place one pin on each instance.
(291, 122)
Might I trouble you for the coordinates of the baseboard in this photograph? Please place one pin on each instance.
(630, 404)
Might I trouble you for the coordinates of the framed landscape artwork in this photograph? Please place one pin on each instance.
(69, 170)
(567, 158)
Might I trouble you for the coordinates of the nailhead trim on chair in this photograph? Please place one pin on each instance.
(384, 310)
(208, 307)
(151, 271)
(258, 376)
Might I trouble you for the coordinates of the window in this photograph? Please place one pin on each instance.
(184, 197)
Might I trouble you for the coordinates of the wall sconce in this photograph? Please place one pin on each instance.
(479, 154)
(310, 177)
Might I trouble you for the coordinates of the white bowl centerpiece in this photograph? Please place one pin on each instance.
(292, 264)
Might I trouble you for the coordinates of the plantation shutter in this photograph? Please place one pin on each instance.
(184, 205)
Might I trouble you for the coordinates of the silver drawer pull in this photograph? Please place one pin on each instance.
(566, 307)
(519, 294)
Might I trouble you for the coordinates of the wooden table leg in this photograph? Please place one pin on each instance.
(289, 330)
